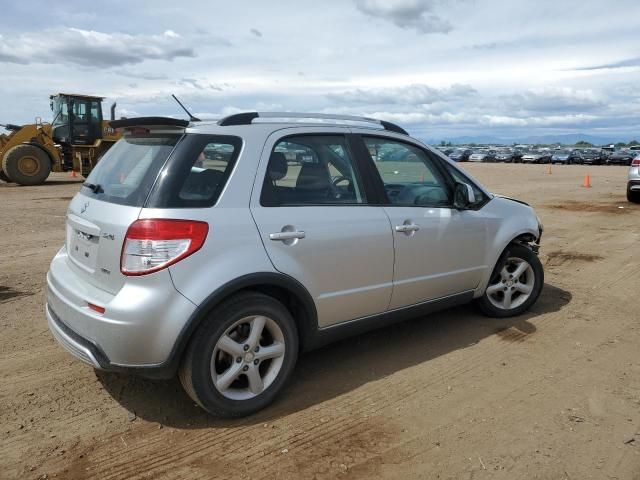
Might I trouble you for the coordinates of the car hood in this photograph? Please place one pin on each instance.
(561, 156)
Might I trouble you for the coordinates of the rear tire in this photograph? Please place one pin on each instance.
(514, 286)
(27, 165)
(250, 332)
(633, 197)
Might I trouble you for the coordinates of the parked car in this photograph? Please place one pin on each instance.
(224, 272)
(623, 156)
(461, 155)
(567, 157)
(633, 184)
(508, 155)
(592, 157)
(446, 150)
(483, 155)
(536, 156)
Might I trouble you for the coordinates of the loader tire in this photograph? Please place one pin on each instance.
(3, 176)
(26, 165)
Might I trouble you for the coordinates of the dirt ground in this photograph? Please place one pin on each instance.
(553, 394)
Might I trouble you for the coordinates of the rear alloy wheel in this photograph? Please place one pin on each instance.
(240, 359)
(27, 165)
(515, 286)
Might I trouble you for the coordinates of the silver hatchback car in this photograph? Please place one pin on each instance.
(220, 251)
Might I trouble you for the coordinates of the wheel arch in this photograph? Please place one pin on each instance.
(526, 237)
(291, 293)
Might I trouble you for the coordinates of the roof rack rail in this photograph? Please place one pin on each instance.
(246, 118)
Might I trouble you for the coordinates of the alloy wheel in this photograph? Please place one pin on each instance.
(513, 285)
(247, 357)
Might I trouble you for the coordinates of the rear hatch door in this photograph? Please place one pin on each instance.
(111, 199)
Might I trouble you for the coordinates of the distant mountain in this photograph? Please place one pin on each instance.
(566, 139)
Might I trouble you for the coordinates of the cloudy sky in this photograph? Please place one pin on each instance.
(441, 68)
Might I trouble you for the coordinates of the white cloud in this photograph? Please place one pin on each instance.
(90, 48)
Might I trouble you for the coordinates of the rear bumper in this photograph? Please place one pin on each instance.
(138, 330)
(73, 343)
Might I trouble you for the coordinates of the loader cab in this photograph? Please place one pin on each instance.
(77, 119)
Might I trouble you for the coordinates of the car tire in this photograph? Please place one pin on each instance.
(510, 293)
(223, 348)
(633, 197)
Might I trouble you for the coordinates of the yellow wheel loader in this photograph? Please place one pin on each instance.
(75, 140)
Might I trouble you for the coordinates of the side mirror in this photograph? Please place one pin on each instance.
(463, 196)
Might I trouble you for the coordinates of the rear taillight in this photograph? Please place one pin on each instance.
(636, 162)
(153, 244)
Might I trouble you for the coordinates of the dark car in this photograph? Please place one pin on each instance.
(567, 157)
(592, 157)
(621, 157)
(537, 156)
(446, 150)
(461, 154)
(508, 155)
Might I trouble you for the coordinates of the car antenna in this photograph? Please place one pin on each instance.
(191, 117)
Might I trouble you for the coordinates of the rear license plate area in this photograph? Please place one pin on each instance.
(84, 248)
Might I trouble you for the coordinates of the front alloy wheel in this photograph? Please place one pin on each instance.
(515, 284)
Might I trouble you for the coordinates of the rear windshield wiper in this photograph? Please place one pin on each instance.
(94, 188)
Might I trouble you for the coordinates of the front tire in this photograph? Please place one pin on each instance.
(514, 286)
(241, 357)
(27, 165)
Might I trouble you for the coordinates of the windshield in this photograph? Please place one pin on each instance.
(60, 111)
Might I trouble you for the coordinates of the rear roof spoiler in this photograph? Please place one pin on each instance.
(149, 122)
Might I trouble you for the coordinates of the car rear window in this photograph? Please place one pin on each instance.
(126, 173)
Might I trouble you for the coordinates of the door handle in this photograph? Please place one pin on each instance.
(407, 228)
(284, 236)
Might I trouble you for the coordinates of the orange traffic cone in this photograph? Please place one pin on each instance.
(587, 181)
(73, 174)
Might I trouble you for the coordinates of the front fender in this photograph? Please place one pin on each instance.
(508, 220)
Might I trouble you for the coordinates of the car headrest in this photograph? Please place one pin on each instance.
(278, 167)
